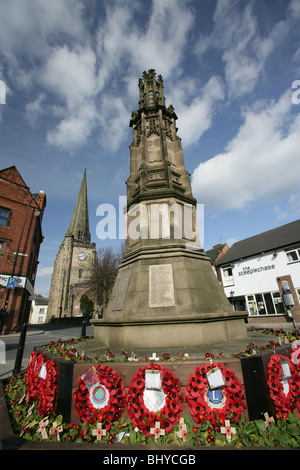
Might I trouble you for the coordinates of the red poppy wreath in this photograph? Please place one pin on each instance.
(100, 395)
(41, 382)
(154, 395)
(35, 362)
(284, 383)
(47, 388)
(222, 402)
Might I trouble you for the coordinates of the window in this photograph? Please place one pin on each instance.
(227, 276)
(293, 255)
(260, 304)
(252, 307)
(227, 272)
(298, 294)
(4, 216)
(278, 302)
(268, 303)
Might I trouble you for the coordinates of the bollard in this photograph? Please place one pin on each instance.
(83, 328)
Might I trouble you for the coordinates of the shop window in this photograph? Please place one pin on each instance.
(293, 255)
(269, 303)
(265, 304)
(252, 307)
(260, 304)
(278, 302)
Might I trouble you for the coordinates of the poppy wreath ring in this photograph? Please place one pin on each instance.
(100, 396)
(35, 362)
(168, 415)
(43, 390)
(285, 398)
(47, 388)
(226, 402)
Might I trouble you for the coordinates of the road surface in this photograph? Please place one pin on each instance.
(37, 335)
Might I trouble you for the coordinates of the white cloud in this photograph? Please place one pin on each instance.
(260, 164)
(70, 74)
(114, 121)
(195, 118)
(44, 272)
(244, 49)
(28, 28)
(75, 128)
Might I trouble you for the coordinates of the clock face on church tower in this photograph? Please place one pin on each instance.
(81, 256)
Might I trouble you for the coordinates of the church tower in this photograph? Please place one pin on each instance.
(73, 263)
(166, 292)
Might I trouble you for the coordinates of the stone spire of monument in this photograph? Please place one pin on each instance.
(156, 163)
(79, 225)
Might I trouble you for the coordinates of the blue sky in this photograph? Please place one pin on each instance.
(231, 70)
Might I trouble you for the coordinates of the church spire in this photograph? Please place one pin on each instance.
(79, 226)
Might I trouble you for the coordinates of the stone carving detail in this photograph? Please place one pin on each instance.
(153, 126)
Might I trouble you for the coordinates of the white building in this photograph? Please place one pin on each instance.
(38, 311)
(257, 271)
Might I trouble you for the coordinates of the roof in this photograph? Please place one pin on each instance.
(79, 225)
(40, 300)
(215, 251)
(12, 174)
(280, 237)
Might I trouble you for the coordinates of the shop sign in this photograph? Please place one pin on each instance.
(249, 270)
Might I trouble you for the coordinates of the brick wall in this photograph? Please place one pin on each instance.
(15, 196)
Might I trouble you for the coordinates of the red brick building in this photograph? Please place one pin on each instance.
(21, 215)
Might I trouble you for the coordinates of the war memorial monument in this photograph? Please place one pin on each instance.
(166, 292)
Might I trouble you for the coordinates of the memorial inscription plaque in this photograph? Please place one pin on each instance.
(121, 290)
(161, 287)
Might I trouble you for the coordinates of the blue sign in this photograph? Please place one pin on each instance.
(11, 283)
(215, 396)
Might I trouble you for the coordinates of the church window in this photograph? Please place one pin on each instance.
(80, 273)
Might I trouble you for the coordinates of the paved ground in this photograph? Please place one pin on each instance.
(228, 348)
(232, 347)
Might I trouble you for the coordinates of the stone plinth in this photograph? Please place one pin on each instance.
(170, 301)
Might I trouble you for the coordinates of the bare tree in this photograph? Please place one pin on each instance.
(104, 274)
